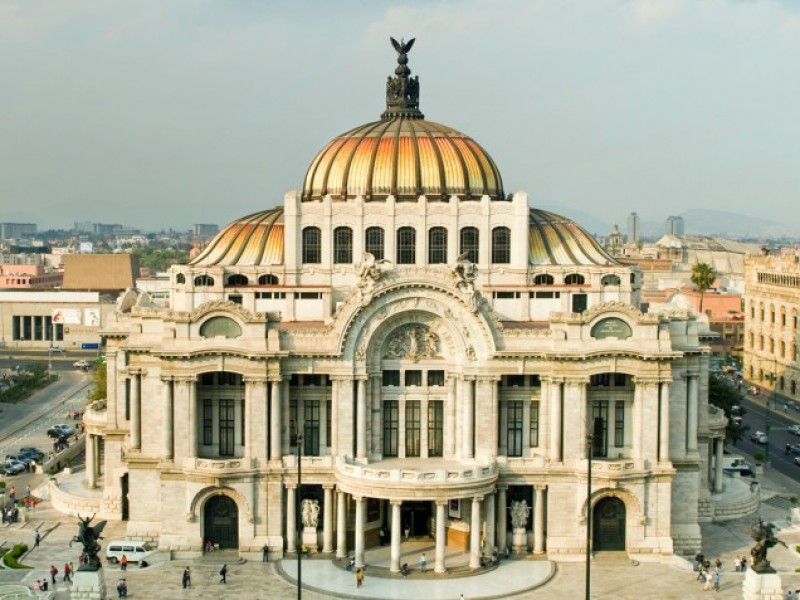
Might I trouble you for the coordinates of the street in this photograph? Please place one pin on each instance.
(757, 417)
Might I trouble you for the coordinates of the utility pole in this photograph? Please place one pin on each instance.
(590, 453)
(299, 521)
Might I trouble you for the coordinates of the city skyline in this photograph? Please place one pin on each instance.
(135, 114)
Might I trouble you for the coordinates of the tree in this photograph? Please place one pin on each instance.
(99, 390)
(723, 394)
(703, 275)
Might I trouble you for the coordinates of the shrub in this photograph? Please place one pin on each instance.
(759, 456)
(797, 548)
(2, 484)
(11, 557)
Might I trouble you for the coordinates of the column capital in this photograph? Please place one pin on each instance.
(358, 499)
(275, 379)
(184, 378)
(487, 378)
(646, 380)
(540, 487)
(477, 499)
(328, 486)
(576, 381)
(290, 485)
(167, 378)
(553, 378)
(502, 487)
(396, 502)
(340, 377)
(255, 378)
(440, 502)
(136, 371)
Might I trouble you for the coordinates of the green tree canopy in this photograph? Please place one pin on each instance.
(703, 275)
(98, 392)
(161, 259)
(723, 394)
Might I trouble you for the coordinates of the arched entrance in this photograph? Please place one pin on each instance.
(608, 519)
(221, 517)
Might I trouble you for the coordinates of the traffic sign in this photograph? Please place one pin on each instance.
(92, 346)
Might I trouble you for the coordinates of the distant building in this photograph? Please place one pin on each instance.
(772, 304)
(674, 226)
(100, 272)
(614, 241)
(205, 230)
(30, 276)
(634, 228)
(12, 231)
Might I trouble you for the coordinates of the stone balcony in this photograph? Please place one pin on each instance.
(416, 479)
(717, 421)
(95, 417)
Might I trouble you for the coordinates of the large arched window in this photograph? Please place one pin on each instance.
(501, 245)
(268, 280)
(574, 279)
(312, 245)
(437, 246)
(610, 280)
(342, 245)
(406, 246)
(543, 279)
(203, 281)
(179, 278)
(374, 242)
(238, 280)
(469, 243)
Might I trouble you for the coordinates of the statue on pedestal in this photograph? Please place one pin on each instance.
(310, 512)
(88, 536)
(519, 514)
(764, 535)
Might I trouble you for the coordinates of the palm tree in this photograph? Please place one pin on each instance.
(703, 275)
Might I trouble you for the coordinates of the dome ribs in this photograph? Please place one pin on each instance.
(437, 151)
(369, 179)
(416, 151)
(243, 241)
(466, 149)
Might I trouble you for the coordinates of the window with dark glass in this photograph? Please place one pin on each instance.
(413, 377)
(543, 279)
(391, 378)
(437, 246)
(180, 278)
(342, 245)
(208, 422)
(574, 279)
(203, 281)
(501, 245)
(435, 428)
(235, 298)
(468, 243)
(226, 427)
(406, 246)
(391, 423)
(579, 303)
(312, 245)
(374, 242)
(600, 428)
(238, 280)
(514, 428)
(311, 427)
(412, 427)
(610, 280)
(268, 280)
(535, 381)
(435, 378)
(534, 424)
(619, 424)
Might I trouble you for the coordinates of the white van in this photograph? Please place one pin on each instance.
(134, 550)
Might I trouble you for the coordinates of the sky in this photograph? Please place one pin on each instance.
(161, 114)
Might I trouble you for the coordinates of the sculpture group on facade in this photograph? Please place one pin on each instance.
(413, 342)
(764, 535)
(309, 512)
(88, 536)
(369, 273)
(465, 272)
(519, 514)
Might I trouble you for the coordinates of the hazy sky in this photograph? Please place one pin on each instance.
(168, 113)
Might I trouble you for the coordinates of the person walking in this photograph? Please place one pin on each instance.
(67, 572)
(359, 578)
(265, 553)
(716, 581)
(423, 563)
(186, 579)
(53, 573)
(123, 563)
(223, 574)
(37, 537)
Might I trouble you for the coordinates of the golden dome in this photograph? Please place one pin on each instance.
(255, 240)
(402, 155)
(557, 240)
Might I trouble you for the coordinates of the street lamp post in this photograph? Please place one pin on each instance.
(590, 452)
(299, 521)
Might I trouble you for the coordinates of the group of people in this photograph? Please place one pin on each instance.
(710, 580)
(122, 588)
(740, 564)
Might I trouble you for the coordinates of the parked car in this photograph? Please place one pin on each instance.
(133, 550)
(795, 429)
(60, 430)
(797, 460)
(23, 458)
(56, 350)
(13, 467)
(795, 448)
(34, 453)
(80, 364)
(759, 437)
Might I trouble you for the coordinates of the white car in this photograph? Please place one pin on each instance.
(80, 364)
(759, 437)
(795, 429)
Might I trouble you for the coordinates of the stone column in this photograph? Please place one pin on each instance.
(490, 522)
(468, 414)
(375, 397)
(275, 421)
(441, 533)
(136, 410)
(585, 417)
(538, 521)
(718, 464)
(327, 519)
(192, 387)
(285, 418)
(91, 459)
(663, 425)
(336, 383)
(450, 419)
(168, 451)
(475, 534)
(359, 541)
(361, 415)
(291, 518)
(396, 533)
(691, 412)
(341, 526)
(500, 509)
(555, 420)
(636, 426)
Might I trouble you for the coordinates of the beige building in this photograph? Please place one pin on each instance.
(772, 304)
(435, 349)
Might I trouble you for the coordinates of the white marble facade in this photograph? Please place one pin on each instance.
(436, 380)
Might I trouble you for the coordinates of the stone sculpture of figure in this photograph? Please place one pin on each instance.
(310, 512)
(764, 535)
(369, 272)
(88, 536)
(464, 274)
(519, 514)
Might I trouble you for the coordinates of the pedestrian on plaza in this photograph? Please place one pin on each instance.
(67, 572)
(716, 581)
(38, 586)
(744, 564)
(737, 564)
(186, 580)
(71, 570)
(407, 532)
(404, 570)
(37, 537)
(359, 578)
(698, 559)
(709, 584)
(423, 563)
(719, 564)
(223, 574)
(45, 585)
(123, 563)
(53, 573)
(265, 553)
(382, 535)
(789, 595)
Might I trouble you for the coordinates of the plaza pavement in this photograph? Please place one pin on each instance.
(613, 576)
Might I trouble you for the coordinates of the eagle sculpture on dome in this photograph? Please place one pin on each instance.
(402, 46)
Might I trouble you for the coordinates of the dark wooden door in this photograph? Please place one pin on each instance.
(222, 522)
(609, 525)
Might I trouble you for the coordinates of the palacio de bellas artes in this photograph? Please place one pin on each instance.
(446, 355)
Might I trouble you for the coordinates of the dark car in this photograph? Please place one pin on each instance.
(34, 453)
(60, 430)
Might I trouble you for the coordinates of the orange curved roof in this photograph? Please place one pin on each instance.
(255, 240)
(557, 240)
(403, 157)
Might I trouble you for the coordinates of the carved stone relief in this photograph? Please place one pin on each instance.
(412, 342)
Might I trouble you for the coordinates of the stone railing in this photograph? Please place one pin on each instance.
(611, 467)
(441, 476)
(95, 417)
(216, 465)
(71, 504)
(716, 419)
